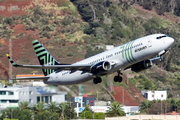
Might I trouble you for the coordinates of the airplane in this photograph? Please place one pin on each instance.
(136, 55)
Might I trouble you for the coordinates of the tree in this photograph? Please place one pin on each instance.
(159, 107)
(24, 105)
(174, 103)
(69, 112)
(39, 107)
(52, 107)
(91, 52)
(148, 5)
(88, 108)
(62, 108)
(25, 114)
(16, 113)
(145, 105)
(147, 85)
(46, 115)
(115, 110)
(153, 25)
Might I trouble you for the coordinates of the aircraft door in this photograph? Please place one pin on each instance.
(149, 42)
(164, 40)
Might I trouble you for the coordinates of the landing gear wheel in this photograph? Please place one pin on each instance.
(97, 80)
(117, 79)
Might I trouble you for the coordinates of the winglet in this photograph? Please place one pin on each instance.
(11, 60)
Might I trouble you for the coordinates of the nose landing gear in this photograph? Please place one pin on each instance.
(118, 78)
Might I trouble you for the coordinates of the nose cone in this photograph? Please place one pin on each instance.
(170, 40)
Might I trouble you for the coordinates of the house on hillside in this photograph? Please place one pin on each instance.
(106, 47)
(155, 95)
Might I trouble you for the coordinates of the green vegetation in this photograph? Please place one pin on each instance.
(117, 22)
(161, 6)
(40, 111)
(99, 23)
(115, 110)
(160, 107)
(142, 83)
(45, 24)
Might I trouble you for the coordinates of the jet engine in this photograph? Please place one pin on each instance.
(143, 65)
(101, 67)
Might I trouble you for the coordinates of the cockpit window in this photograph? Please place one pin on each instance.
(161, 37)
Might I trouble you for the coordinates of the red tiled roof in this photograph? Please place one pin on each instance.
(123, 96)
(172, 113)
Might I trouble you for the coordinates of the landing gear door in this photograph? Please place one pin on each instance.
(149, 42)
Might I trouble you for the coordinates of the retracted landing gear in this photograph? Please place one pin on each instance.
(97, 80)
(118, 78)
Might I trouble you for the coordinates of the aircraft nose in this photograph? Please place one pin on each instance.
(170, 40)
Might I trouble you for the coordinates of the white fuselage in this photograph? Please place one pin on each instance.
(120, 57)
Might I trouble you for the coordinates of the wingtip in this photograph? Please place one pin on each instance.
(11, 60)
(7, 55)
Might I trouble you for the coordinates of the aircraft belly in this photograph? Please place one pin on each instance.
(71, 78)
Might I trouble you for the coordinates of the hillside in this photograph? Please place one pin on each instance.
(50, 21)
(71, 29)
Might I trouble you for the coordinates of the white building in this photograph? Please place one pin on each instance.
(131, 109)
(50, 94)
(127, 109)
(155, 95)
(108, 47)
(12, 96)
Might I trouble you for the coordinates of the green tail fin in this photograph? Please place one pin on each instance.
(44, 57)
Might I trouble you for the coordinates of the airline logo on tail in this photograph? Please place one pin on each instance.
(44, 57)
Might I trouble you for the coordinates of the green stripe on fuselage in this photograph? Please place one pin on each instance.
(126, 52)
(131, 54)
(122, 48)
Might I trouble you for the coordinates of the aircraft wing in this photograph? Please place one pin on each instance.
(84, 67)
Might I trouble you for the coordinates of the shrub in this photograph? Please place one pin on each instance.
(99, 115)
(86, 115)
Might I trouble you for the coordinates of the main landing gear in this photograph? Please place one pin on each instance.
(97, 80)
(118, 78)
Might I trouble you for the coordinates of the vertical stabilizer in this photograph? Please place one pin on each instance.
(44, 57)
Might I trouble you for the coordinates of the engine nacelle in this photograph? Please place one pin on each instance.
(143, 65)
(101, 67)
